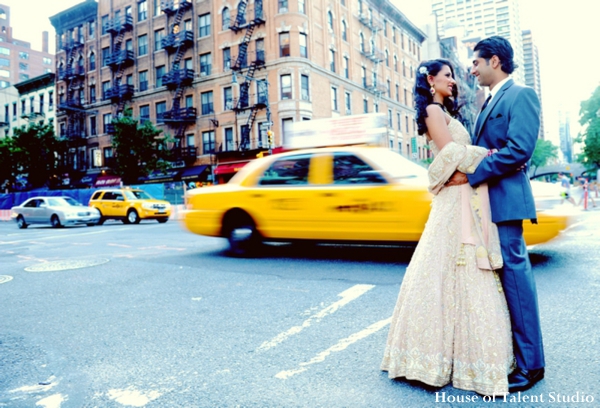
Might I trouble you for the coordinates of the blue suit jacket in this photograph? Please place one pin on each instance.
(510, 123)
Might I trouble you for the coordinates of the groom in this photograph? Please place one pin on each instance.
(509, 122)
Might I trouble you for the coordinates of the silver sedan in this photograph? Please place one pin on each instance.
(56, 211)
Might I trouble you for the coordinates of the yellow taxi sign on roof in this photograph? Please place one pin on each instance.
(369, 128)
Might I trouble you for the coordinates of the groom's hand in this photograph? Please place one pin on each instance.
(457, 179)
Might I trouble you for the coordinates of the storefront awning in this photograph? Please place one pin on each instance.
(107, 181)
(192, 173)
(229, 168)
(158, 176)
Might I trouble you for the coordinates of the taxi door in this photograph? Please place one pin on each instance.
(356, 202)
(281, 201)
(114, 204)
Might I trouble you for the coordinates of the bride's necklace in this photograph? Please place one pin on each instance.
(441, 106)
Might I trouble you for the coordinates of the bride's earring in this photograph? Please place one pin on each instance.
(432, 90)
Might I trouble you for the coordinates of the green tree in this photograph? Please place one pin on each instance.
(35, 152)
(138, 148)
(544, 151)
(589, 118)
(7, 167)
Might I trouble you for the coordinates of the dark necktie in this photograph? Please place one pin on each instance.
(485, 104)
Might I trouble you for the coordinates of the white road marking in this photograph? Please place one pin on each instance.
(44, 386)
(53, 401)
(132, 397)
(347, 296)
(104, 231)
(341, 345)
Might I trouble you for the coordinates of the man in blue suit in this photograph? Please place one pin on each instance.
(509, 122)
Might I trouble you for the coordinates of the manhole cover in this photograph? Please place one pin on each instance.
(65, 265)
(5, 278)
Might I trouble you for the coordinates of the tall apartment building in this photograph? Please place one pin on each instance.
(532, 70)
(564, 132)
(18, 62)
(217, 77)
(484, 18)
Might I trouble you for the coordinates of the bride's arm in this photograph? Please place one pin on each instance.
(437, 126)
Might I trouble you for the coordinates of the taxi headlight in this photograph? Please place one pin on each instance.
(148, 206)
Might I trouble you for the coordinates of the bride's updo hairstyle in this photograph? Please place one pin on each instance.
(422, 91)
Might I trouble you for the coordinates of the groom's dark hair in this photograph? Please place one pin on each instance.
(500, 47)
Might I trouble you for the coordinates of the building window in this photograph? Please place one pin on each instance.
(228, 139)
(286, 86)
(92, 61)
(284, 44)
(334, 99)
(158, 37)
(32, 104)
(190, 140)
(226, 59)
(142, 10)
(105, 56)
(346, 68)
(143, 77)
(161, 108)
(304, 88)
(93, 126)
(387, 58)
(389, 88)
(262, 92)
(390, 119)
(92, 94)
(189, 101)
(363, 73)
(23, 66)
(405, 96)
(208, 142)
(348, 103)
(204, 25)
(144, 113)
(205, 64)
(361, 39)
(399, 121)
(105, 88)
(330, 21)
(143, 45)
(226, 18)
(106, 121)
(303, 46)
(344, 31)
(160, 72)
(91, 29)
(302, 6)
(50, 100)
(282, 6)
(104, 24)
(397, 92)
(157, 8)
(365, 106)
(207, 102)
(228, 98)
(332, 60)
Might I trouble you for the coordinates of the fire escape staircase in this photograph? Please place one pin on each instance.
(178, 79)
(120, 59)
(240, 64)
(374, 54)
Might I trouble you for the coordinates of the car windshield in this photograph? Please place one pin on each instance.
(62, 202)
(137, 195)
(395, 165)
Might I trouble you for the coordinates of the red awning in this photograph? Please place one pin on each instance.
(228, 168)
(107, 181)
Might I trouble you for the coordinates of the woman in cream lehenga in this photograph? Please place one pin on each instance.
(451, 322)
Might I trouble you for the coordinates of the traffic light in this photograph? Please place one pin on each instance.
(270, 137)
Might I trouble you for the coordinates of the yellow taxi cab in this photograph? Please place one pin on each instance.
(341, 194)
(129, 205)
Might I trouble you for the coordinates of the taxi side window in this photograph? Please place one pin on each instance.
(118, 196)
(97, 195)
(291, 170)
(349, 169)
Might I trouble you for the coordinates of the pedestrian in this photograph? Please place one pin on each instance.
(585, 193)
(565, 183)
(451, 321)
(510, 122)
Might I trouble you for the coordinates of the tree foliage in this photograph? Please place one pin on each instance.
(7, 165)
(34, 151)
(589, 118)
(138, 148)
(544, 151)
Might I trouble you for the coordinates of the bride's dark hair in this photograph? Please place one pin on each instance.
(422, 93)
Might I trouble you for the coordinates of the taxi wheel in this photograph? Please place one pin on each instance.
(244, 239)
(55, 221)
(21, 222)
(133, 217)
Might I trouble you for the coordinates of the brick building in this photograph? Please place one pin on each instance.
(215, 75)
(18, 62)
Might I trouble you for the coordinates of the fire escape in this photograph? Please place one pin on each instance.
(73, 73)
(119, 59)
(241, 64)
(374, 54)
(179, 78)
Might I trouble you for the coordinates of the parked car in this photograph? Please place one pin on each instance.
(56, 211)
(129, 205)
(340, 194)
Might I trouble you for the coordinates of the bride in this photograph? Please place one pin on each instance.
(451, 322)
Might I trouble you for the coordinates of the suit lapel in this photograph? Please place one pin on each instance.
(488, 109)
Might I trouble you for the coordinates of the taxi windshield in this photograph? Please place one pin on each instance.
(396, 165)
(137, 195)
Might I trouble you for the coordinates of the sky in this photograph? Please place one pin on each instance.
(565, 32)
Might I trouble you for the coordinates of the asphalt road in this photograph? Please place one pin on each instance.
(150, 315)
